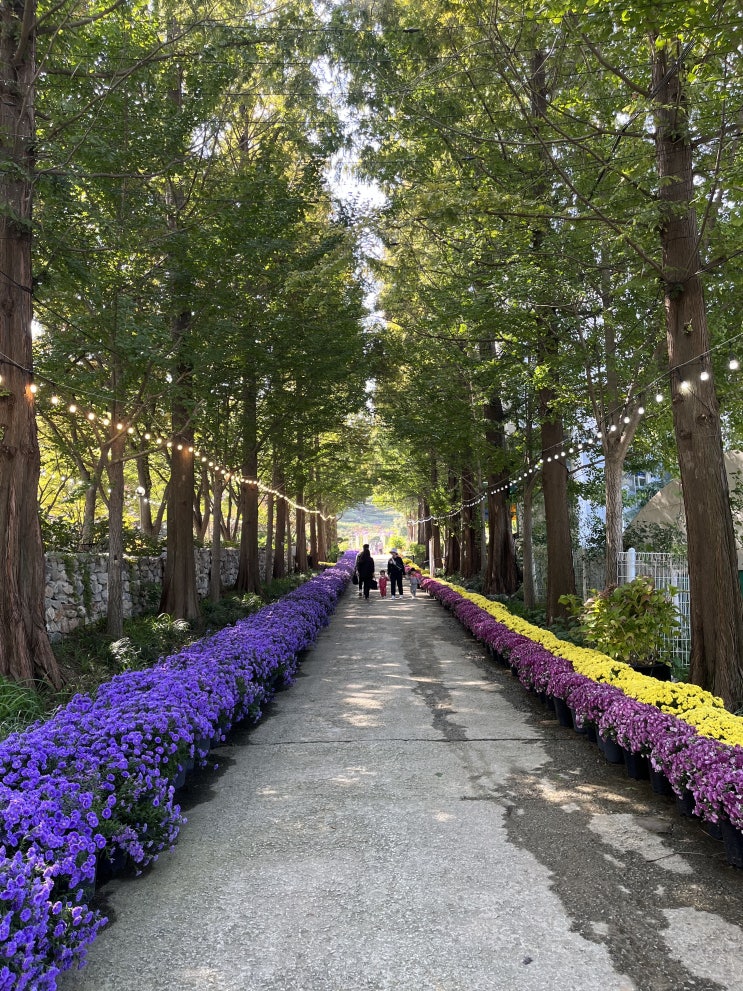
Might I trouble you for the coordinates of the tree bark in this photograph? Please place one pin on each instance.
(313, 539)
(179, 598)
(268, 563)
(323, 540)
(527, 543)
(501, 576)
(215, 576)
(453, 557)
(301, 518)
(145, 507)
(469, 564)
(613, 471)
(25, 653)
(279, 557)
(560, 570)
(115, 600)
(248, 575)
(716, 603)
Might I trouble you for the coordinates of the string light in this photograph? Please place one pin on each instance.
(684, 385)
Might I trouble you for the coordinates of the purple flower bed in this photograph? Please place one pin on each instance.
(97, 777)
(710, 769)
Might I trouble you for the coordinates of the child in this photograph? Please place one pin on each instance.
(414, 578)
(383, 583)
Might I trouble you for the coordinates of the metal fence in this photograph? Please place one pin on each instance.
(667, 571)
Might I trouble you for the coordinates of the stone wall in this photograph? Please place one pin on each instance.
(77, 585)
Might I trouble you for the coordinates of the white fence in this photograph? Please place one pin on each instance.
(666, 571)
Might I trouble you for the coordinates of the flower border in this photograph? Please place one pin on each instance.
(97, 781)
(684, 731)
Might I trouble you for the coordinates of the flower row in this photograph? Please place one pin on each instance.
(96, 780)
(684, 731)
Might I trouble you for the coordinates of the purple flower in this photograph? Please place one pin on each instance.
(97, 776)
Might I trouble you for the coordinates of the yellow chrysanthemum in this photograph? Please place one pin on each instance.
(691, 703)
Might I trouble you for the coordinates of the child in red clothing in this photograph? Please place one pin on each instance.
(382, 583)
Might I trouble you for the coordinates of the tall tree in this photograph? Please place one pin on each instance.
(25, 653)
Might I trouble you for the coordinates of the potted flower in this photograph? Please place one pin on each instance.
(630, 623)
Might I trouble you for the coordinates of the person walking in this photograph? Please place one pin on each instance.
(365, 570)
(396, 570)
(382, 583)
(414, 580)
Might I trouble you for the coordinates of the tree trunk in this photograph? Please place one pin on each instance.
(560, 570)
(613, 469)
(314, 518)
(716, 603)
(93, 482)
(453, 559)
(145, 483)
(179, 598)
(301, 552)
(202, 519)
(279, 557)
(527, 543)
(115, 601)
(437, 556)
(268, 563)
(248, 576)
(323, 541)
(469, 564)
(501, 577)
(215, 575)
(331, 527)
(25, 653)
(157, 523)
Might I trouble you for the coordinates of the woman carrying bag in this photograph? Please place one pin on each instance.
(365, 571)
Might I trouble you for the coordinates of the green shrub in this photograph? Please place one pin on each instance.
(630, 623)
(65, 535)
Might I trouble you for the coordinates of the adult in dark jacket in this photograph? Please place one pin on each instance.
(365, 570)
(396, 571)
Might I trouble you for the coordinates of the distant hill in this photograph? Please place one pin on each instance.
(371, 518)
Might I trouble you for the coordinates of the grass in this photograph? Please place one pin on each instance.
(88, 656)
(19, 706)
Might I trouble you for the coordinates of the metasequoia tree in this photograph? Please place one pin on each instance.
(25, 654)
(686, 91)
(469, 195)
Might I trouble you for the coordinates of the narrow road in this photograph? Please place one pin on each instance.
(407, 818)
